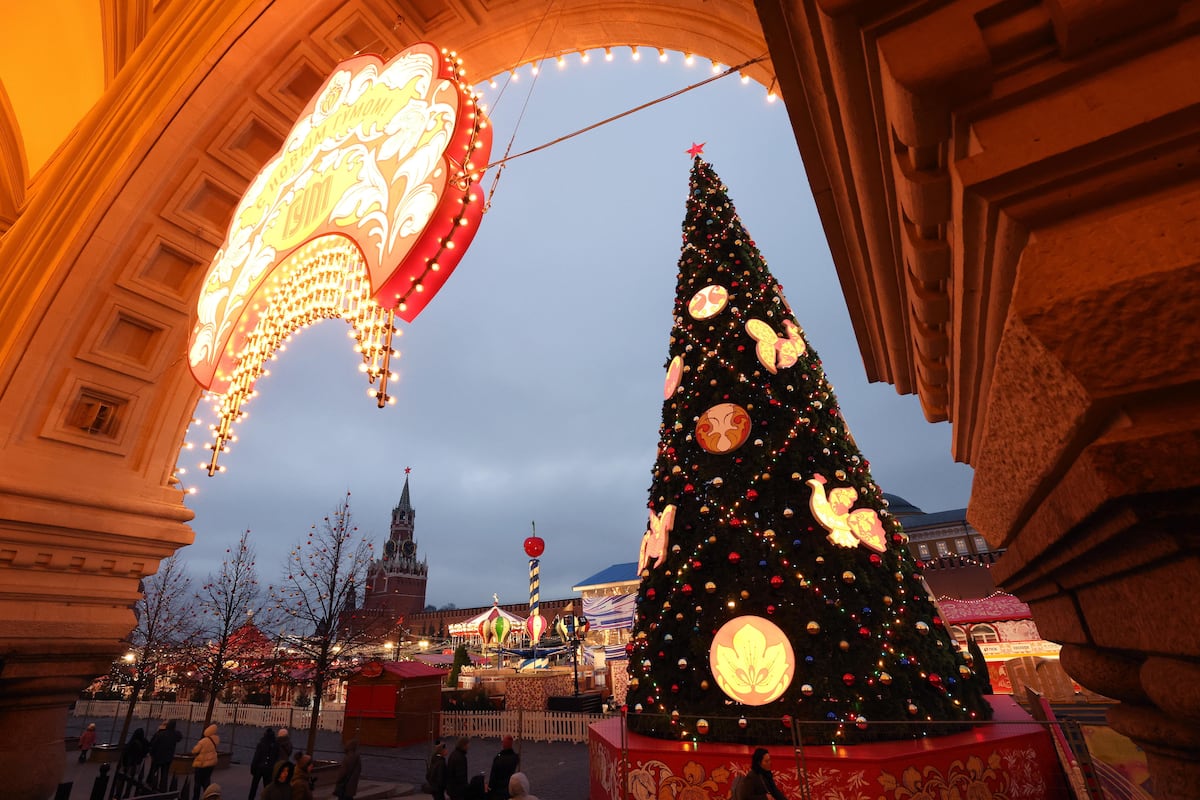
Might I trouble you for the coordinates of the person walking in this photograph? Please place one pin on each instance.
(504, 765)
(262, 764)
(204, 759)
(162, 753)
(87, 740)
(302, 778)
(134, 752)
(285, 744)
(758, 783)
(280, 787)
(456, 770)
(435, 771)
(518, 787)
(345, 783)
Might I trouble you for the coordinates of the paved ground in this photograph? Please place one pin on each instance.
(556, 771)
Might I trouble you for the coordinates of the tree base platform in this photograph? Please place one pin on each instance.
(1011, 757)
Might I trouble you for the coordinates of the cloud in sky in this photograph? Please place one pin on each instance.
(531, 387)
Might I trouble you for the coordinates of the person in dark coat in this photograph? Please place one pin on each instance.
(302, 778)
(134, 752)
(759, 783)
(456, 771)
(285, 744)
(435, 772)
(162, 753)
(262, 764)
(345, 783)
(504, 765)
(280, 787)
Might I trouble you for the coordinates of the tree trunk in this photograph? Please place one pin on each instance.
(315, 719)
(212, 704)
(133, 698)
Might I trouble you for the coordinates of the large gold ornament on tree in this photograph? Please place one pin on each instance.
(752, 660)
(674, 375)
(846, 528)
(773, 349)
(723, 428)
(708, 302)
(654, 540)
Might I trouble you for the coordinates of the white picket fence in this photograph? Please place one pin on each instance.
(536, 726)
(223, 714)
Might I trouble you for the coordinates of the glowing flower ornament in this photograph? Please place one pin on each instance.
(752, 660)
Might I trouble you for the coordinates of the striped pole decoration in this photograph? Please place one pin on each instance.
(534, 583)
(534, 547)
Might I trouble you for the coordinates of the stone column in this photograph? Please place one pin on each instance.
(1089, 466)
(69, 573)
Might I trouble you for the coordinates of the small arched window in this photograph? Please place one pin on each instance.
(984, 633)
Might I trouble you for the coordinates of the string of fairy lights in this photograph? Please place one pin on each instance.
(331, 289)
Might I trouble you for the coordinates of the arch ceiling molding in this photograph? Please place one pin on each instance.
(495, 38)
(14, 170)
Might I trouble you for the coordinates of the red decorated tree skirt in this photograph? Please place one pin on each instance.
(1010, 758)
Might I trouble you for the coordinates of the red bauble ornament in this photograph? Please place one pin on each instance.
(770, 610)
(776, 581)
(848, 679)
(751, 494)
(864, 631)
(686, 589)
(534, 546)
(650, 593)
(734, 558)
(697, 563)
(875, 559)
(786, 719)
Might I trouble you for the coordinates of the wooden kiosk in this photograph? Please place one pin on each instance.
(394, 703)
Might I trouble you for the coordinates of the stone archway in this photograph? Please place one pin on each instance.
(1008, 190)
(101, 275)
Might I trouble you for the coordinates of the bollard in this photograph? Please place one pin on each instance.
(101, 783)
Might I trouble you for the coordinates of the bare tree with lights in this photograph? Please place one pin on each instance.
(226, 602)
(316, 599)
(776, 586)
(165, 625)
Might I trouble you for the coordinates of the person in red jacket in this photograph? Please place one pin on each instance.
(87, 740)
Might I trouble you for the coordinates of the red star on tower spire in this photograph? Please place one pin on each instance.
(696, 149)
(407, 470)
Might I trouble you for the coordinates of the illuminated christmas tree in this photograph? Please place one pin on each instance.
(775, 586)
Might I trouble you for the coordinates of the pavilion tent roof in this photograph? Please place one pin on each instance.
(471, 627)
(997, 607)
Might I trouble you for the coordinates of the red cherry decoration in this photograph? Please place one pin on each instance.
(534, 546)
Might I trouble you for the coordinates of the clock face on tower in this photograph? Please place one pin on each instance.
(408, 547)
